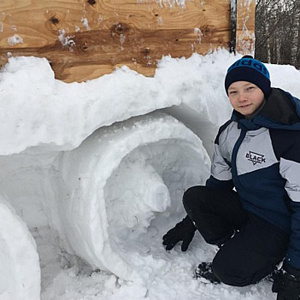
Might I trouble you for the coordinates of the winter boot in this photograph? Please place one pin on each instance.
(204, 270)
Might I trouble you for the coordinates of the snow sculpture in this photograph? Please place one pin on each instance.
(148, 162)
(20, 276)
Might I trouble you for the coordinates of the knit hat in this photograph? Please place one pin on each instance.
(249, 69)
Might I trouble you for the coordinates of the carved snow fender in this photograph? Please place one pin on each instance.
(20, 276)
(156, 156)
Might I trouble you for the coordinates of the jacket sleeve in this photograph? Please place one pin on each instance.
(290, 171)
(221, 176)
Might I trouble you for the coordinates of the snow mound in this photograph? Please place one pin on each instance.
(19, 260)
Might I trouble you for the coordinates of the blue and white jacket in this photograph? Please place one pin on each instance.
(260, 157)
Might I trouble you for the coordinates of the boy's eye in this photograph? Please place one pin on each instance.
(232, 92)
(250, 88)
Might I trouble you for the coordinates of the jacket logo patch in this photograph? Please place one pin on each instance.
(255, 158)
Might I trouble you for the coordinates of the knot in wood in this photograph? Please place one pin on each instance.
(155, 12)
(91, 2)
(120, 28)
(83, 46)
(146, 51)
(54, 20)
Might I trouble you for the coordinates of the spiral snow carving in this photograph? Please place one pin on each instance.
(20, 276)
(157, 157)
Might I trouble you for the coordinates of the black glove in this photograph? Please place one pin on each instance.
(287, 284)
(184, 231)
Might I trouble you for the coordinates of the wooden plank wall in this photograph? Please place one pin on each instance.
(84, 39)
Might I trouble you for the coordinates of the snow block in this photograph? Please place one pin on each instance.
(148, 162)
(20, 276)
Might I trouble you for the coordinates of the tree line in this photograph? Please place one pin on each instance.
(277, 38)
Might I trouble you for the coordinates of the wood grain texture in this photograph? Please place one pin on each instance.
(84, 39)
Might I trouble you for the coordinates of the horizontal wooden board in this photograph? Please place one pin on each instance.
(84, 39)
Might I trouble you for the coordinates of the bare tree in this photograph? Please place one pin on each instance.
(277, 31)
(295, 37)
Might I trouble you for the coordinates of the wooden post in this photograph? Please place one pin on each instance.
(245, 37)
(83, 39)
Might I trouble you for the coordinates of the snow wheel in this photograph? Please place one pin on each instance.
(148, 162)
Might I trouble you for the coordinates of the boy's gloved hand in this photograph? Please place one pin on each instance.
(287, 284)
(184, 231)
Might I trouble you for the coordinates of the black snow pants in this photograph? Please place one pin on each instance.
(250, 247)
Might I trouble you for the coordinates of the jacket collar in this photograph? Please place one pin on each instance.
(280, 111)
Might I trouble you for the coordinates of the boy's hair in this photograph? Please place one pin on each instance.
(249, 69)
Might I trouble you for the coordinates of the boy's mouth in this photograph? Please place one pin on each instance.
(244, 106)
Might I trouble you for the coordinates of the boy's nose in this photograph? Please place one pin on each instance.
(242, 97)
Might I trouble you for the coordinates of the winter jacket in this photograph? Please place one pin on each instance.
(260, 158)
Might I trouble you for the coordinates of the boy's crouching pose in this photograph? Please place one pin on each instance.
(250, 206)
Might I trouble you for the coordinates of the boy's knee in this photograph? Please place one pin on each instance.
(193, 196)
(230, 276)
(231, 273)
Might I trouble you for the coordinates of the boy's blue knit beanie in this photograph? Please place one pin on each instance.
(249, 69)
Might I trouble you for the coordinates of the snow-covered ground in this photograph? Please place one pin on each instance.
(95, 172)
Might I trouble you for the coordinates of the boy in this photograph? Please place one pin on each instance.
(256, 225)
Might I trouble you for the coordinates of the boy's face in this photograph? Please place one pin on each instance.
(245, 97)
